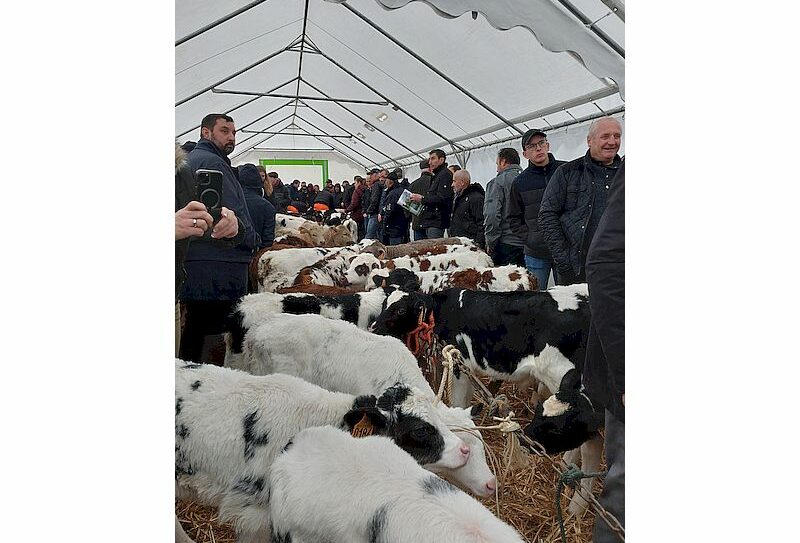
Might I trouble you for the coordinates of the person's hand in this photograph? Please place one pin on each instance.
(192, 220)
(379, 217)
(228, 225)
(415, 197)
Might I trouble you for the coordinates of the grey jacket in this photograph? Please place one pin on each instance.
(496, 207)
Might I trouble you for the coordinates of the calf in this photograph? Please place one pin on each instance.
(522, 337)
(277, 269)
(230, 426)
(340, 357)
(360, 308)
(328, 486)
(413, 248)
(498, 279)
(364, 263)
(316, 234)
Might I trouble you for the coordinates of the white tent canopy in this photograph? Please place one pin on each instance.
(381, 82)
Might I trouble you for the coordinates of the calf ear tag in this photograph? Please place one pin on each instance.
(363, 428)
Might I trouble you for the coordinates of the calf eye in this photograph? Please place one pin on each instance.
(421, 433)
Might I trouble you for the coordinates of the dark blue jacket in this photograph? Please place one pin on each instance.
(262, 212)
(393, 218)
(217, 272)
(527, 191)
(572, 204)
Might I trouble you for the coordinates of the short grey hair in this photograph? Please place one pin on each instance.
(463, 173)
(596, 122)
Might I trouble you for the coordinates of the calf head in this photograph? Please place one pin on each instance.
(360, 267)
(566, 419)
(402, 313)
(475, 475)
(408, 417)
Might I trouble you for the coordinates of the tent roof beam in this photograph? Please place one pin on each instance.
(218, 22)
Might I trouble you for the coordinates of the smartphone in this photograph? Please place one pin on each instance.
(209, 188)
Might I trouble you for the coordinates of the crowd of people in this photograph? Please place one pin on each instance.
(564, 217)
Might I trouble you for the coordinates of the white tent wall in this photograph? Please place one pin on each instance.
(339, 168)
(566, 144)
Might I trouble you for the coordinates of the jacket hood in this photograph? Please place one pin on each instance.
(180, 158)
(473, 187)
(249, 177)
(541, 169)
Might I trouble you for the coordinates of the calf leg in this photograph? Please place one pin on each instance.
(591, 452)
(462, 391)
(572, 457)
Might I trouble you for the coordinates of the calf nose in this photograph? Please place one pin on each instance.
(491, 486)
(464, 448)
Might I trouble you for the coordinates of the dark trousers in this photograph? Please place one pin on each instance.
(203, 319)
(505, 254)
(419, 233)
(613, 496)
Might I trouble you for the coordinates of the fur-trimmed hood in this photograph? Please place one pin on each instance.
(180, 158)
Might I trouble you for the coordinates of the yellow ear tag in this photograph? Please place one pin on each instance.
(363, 428)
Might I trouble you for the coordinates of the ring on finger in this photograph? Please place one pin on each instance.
(194, 223)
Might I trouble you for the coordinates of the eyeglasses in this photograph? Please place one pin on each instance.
(541, 144)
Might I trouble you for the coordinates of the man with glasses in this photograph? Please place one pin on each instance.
(575, 199)
(526, 198)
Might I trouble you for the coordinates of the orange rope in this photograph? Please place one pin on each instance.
(421, 335)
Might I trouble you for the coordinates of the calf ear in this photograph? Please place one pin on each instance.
(378, 280)
(362, 410)
(475, 410)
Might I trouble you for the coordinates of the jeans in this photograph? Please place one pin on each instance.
(505, 254)
(539, 268)
(203, 318)
(419, 234)
(431, 233)
(372, 227)
(395, 241)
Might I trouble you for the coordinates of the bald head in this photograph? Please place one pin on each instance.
(461, 180)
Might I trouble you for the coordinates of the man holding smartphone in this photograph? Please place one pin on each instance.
(216, 264)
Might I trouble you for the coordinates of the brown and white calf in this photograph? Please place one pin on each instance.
(498, 279)
(467, 257)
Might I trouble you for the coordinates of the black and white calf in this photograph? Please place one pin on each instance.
(329, 486)
(360, 308)
(522, 337)
(337, 356)
(230, 426)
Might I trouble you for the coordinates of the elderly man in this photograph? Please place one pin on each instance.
(526, 199)
(502, 244)
(467, 218)
(216, 275)
(575, 200)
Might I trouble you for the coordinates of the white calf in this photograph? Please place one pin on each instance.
(230, 425)
(337, 356)
(329, 486)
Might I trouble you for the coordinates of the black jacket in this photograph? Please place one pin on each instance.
(375, 193)
(262, 212)
(573, 202)
(438, 200)
(604, 369)
(523, 208)
(325, 197)
(419, 186)
(467, 218)
(393, 217)
(347, 195)
(280, 197)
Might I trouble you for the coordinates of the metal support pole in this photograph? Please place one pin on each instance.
(240, 153)
(300, 61)
(358, 117)
(251, 100)
(218, 22)
(277, 95)
(616, 7)
(605, 38)
(270, 126)
(342, 152)
(373, 89)
(326, 143)
(430, 66)
(240, 72)
(291, 134)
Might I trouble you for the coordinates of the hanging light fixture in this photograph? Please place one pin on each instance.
(382, 117)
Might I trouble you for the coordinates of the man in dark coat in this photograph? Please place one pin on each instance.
(604, 369)
(467, 219)
(373, 204)
(280, 197)
(438, 199)
(575, 199)
(503, 245)
(326, 198)
(216, 276)
(420, 186)
(262, 212)
(392, 217)
(526, 198)
(354, 206)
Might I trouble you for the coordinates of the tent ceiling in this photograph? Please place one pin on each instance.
(452, 78)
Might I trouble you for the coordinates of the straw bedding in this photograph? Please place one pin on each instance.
(527, 498)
